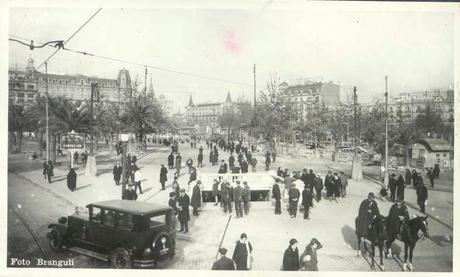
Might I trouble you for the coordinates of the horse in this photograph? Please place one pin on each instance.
(376, 235)
(410, 237)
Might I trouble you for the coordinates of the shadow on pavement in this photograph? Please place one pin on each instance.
(440, 240)
(349, 236)
(83, 187)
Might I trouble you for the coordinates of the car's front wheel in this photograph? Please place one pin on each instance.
(120, 258)
(56, 240)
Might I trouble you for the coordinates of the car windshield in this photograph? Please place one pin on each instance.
(157, 220)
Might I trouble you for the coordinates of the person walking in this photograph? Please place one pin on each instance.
(392, 186)
(49, 170)
(329, 184)
(344, 182)
(72, 179)
(276, 194)
(192, 175)
(163, 176)
(318, 187)
(237, 197)
(242, 253)
(246, 197)
(430, 176)
(172, 202)
(253, 164)
(223, 263)
(215, 192)
(400, 187)
(75, 157)
(309, 258)
(244, 166)
(337, 184)
(200, 159)
(184, 214)
(408, 177)
(195, 202)
(226, 194)
(171, 161)
(178, 164)
(138, 180)
(175, 186)
(117, 171)
(223, 167)
(231, 162)
(294, 195)
(307, 202)
(267, 162)
(291, 257)
(422, 196)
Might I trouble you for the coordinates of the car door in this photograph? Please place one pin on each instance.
(100, 228)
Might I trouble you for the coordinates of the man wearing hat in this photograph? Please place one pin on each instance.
(291, 257)
(238, 198)
(276, 194)
(318, 186)
(172, 202)
(368, 209)
(184, 214)
(226, 194)
(196, 198)
(130, 193)
(392, 186)
(294, 195)
(397, 216)
(223, 263)
(215, 191)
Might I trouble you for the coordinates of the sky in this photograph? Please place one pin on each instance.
(351, 48)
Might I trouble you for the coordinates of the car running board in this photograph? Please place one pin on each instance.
(89, 253)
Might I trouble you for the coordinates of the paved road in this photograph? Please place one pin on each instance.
(331, 223)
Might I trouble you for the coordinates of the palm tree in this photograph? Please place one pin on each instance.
(20, 119)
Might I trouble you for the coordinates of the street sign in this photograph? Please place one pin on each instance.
(72, 141)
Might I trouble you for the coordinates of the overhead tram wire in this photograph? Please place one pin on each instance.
(149, 66)
(65, 42)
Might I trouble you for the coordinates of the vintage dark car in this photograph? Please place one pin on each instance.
(125, 233)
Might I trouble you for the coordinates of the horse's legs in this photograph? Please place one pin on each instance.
(388, 247)
(411, 252)
(381, 258)
(405, 256)
(365, 246)
(372, 254)
(359, 246)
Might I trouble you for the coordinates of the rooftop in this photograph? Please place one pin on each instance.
(435, 144)
(133, 207)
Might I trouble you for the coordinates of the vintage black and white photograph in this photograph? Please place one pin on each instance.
(261, 137)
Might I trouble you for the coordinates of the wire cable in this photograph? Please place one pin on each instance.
(81, 27)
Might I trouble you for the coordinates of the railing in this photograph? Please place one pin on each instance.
(256, 181)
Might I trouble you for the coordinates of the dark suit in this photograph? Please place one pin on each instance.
(276, 194)
(223, 263)
(184, 214)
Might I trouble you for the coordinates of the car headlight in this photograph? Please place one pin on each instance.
(153, 244)
(147, 251)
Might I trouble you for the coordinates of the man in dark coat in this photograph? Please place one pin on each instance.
(430, 176)
(49, 169)
(400, 187)
(307, 202)
(318, 187)
(238, 198)
(244, 166)
(231, 161)
(414, 178)
(398, 215)
(336, 187)
(422, 196)
(276, 194)
(294, 195)
(173, 202)
(72, 179)
(246, 197)
(436, 171)
(215, 192)
(310, 179)
(368, 209)
(184, 214)
(171, 161)
(242, 253)
(223, 263)
(329, 184)
(267, 163)
(178, 164)
(195, 202)
(163, 176)
(226, 194)
(408, 177)
(392, 185)
(223, 167)
(200, 159)
(130, 193)
(117, 171)
(291, 257)
(240, 158)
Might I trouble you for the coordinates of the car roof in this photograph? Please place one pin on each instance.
(130, 206)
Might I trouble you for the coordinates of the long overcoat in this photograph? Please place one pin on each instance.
(367, 210)
(196, 197)
(184, 213)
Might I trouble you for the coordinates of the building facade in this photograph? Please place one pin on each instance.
(25, 86)
(205, 116)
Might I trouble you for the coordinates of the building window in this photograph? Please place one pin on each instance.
(30, 86)
(444, 155)
(438, 155)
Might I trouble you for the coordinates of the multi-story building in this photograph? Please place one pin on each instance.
(24, 86)
(205, 116)
(307, 94)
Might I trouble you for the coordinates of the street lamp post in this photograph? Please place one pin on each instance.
(385, 176)
(47, 115)
(356, 168)
(124, 138)
(91, 162)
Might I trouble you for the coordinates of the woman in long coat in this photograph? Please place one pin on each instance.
(400, 187)
(309, 258)
(242, 253)
(72, 179)
(408, 177)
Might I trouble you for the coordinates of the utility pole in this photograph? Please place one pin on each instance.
(47, 115)
(254, 71)
(385, 176)
(356, 168)
(145, 82)
(91, 169)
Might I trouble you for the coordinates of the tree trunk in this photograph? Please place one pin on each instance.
(20, 141)
(53, 148)
(110, 140)
(40, 142)
(406, 155)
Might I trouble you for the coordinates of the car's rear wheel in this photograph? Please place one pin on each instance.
(120, 258)
(56, 240)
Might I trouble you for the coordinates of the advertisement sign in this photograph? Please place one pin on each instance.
(72, 141)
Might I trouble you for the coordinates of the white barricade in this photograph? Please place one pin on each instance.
(256, 181)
